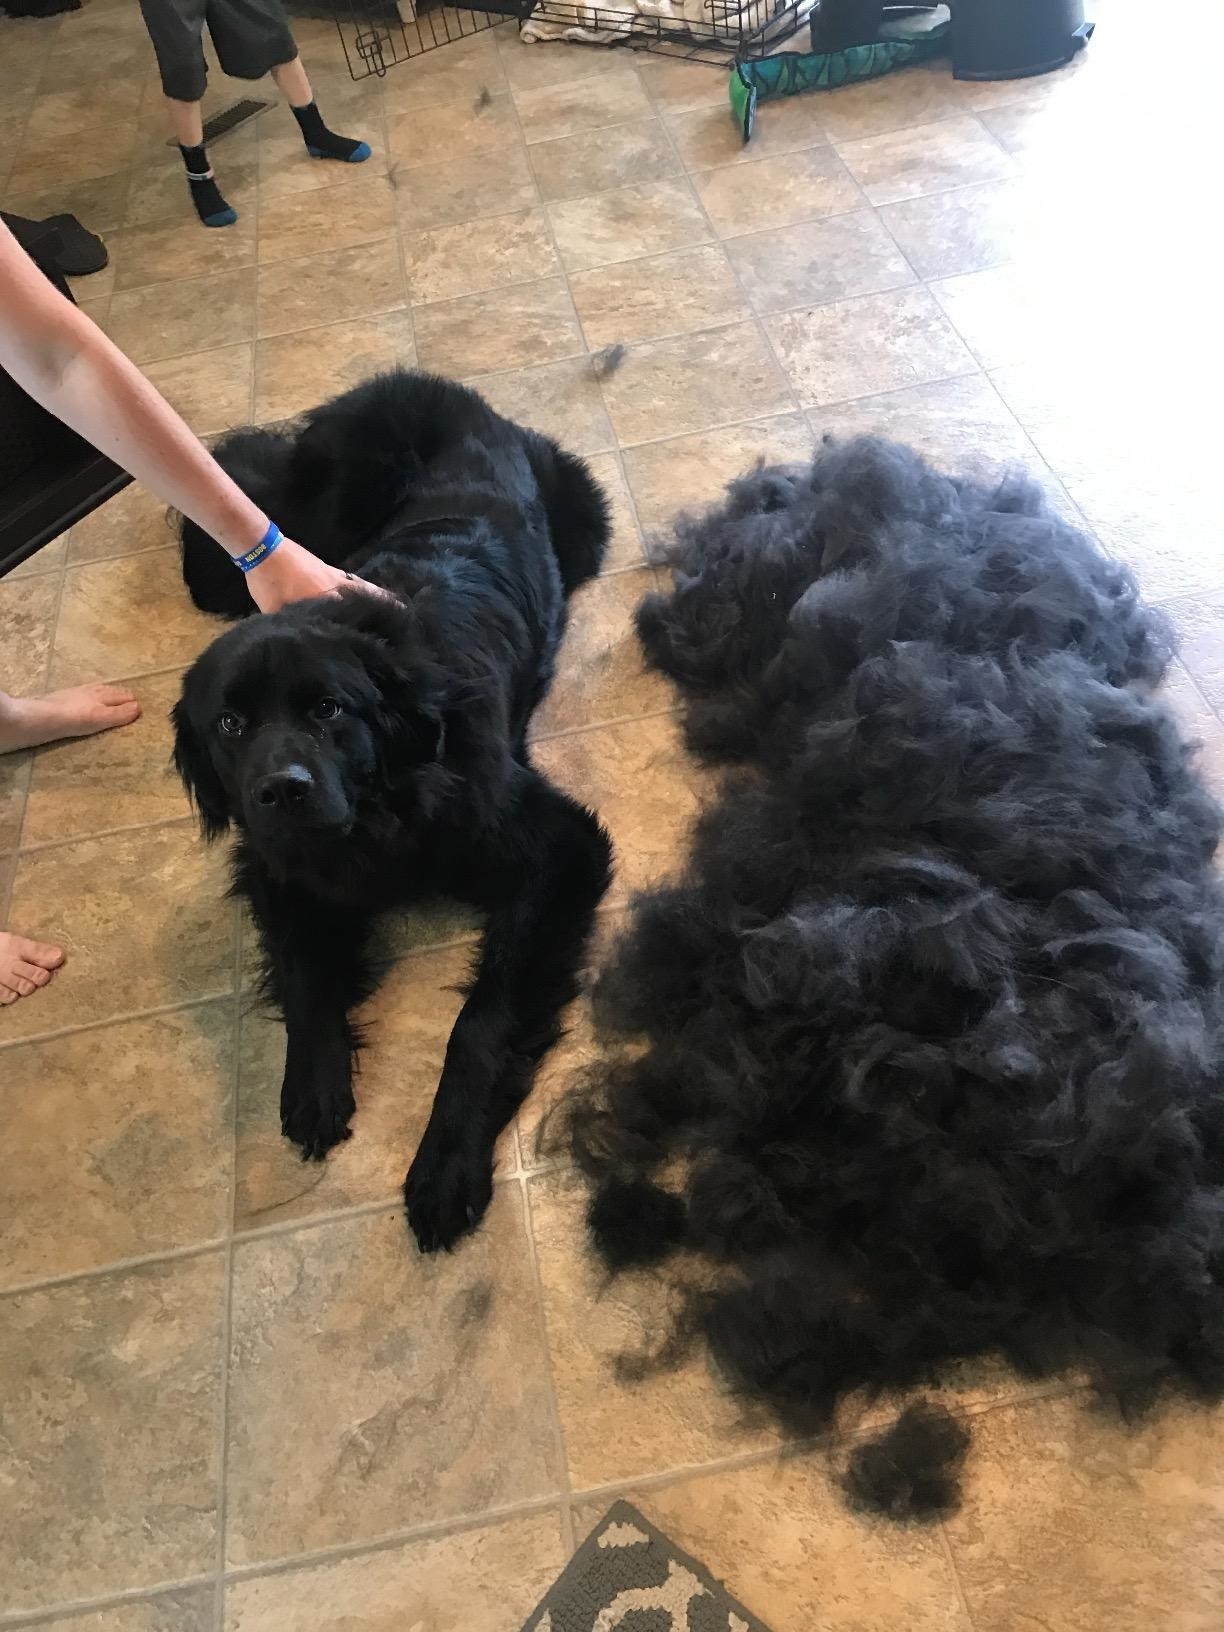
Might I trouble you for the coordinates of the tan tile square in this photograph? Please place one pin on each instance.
(600, 673)
(614, 1430)
(873, 343)
(112, 1395)
(78, 59)
(181, 248)
(626, 222)
(1002, 313)
(777, 192)
(125, 617)
(354, 282)
(464, 189)
(14, 780)
(168, 319)
(133, 520)
(473, 256)
(914, 96)
(943, 234)
(482, 334)
(818, 261)
(709, 137)
(1143, 1551)
(294, 372)
(596, 160)
(962, 425)
(286, 169)
(52, 160)
(929, 159)
(142, 917)
(675, 86)
(481, 1580)
(451, 130)
(465, 69)
(423, 1379)
(27, 624)
(690, 472)
(408, 1021)
(49, 558)
(779, 1537)
(1091, 419)
(125, 1144)
(353, 211)
(189, 1611)
(78, 111)
(1200, 633)
(121, 779)
(642, 785)
(695, 381)
(561, 399)
(625, 545)
(159, 191)
(1200, 724)
(210, 389)
(611, 98)
(660, 295)
(99, 201)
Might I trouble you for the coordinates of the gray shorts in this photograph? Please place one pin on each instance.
(249, 37)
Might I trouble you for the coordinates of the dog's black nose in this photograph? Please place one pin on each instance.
(284, 788)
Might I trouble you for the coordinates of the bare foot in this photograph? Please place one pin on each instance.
(80, 711)
(25, 966)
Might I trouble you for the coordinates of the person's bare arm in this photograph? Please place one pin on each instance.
(65, 362)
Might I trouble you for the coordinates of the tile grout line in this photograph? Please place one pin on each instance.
(958, 1584)
(227, 1314)
(550, 1381)
(754, 317)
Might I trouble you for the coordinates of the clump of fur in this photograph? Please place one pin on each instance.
(608, 360)
(634, 1223)
(932, 1017)
(912, 1470)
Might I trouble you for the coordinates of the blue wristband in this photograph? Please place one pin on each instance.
(261, 551)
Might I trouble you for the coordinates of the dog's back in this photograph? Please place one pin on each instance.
(400, 442)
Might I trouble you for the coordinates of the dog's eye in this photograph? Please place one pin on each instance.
(326, 708)
(231, 724)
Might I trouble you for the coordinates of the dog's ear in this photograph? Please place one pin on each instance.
(199, 774)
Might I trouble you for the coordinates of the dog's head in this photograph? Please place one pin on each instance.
(296, 724)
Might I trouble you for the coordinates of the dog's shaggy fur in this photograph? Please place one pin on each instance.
(372, 751)
(933, 1015)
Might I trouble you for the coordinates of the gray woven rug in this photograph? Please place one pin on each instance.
(627, 1577)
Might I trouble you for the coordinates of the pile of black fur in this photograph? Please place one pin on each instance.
(932, 1022)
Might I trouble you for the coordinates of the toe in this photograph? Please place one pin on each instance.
(41, 953)
(32, 972)
(7, 996)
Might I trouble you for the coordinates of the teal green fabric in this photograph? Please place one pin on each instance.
(791, 71)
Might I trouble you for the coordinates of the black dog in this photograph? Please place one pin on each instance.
(371, 751)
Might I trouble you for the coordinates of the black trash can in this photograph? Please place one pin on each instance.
(1008, 39)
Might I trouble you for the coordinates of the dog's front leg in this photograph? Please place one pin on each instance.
(315, 969)
(550, 864)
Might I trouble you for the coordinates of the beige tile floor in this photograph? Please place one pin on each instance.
(230, 1394)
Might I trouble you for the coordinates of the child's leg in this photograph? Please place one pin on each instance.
(175, 29)
(321, 143)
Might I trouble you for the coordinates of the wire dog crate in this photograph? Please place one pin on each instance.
(379, 34)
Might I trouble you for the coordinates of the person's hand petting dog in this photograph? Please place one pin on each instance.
(66, 363)
(291, 573)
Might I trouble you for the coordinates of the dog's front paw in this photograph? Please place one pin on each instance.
(446, 1194)
(317, 1122)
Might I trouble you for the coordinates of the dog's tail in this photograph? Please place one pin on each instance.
(578, 518)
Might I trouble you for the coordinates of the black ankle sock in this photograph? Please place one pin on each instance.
(322, 143)
(205, 194)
